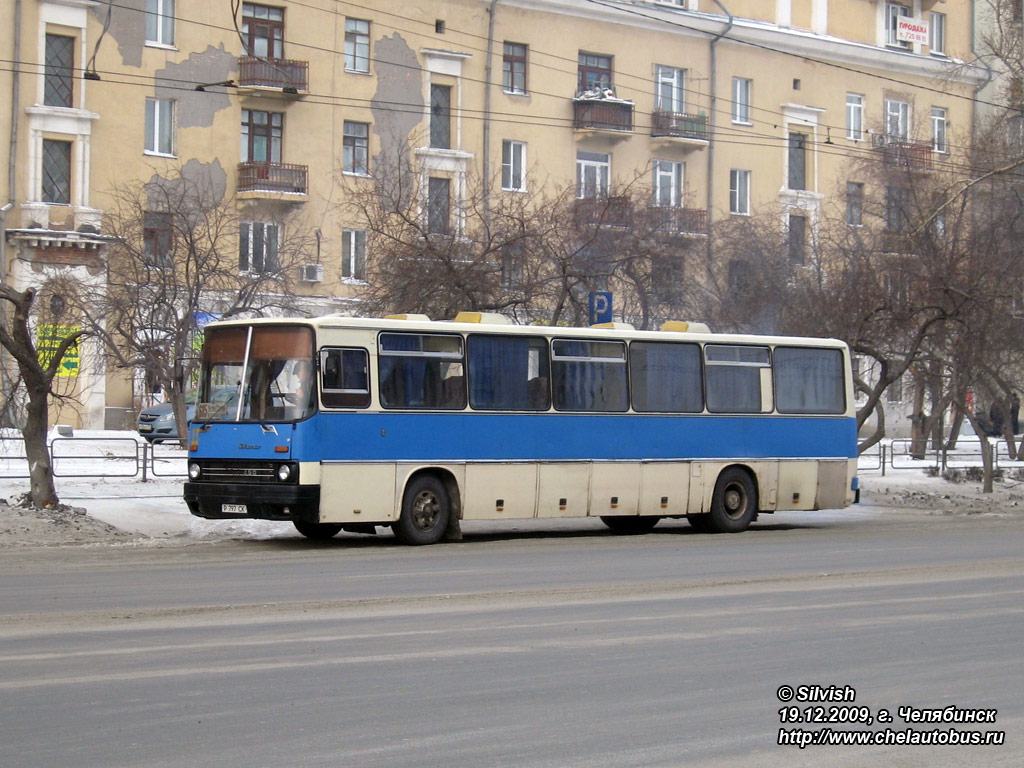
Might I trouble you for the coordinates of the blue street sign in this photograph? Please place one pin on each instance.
(600, 307)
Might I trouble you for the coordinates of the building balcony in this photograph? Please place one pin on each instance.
(679, 125)
(915, 155)
(281, 180)
(603, 212)
(290, 78)
(680, 221)
(606, 115)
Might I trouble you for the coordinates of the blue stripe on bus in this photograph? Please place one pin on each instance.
(544, 437)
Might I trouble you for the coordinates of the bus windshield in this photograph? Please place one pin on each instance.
(257, 373)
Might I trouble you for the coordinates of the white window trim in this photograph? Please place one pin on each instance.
(160, 12)
(944, 120)
(603, 189)
(154, 140)
(742, 207)
(855, 133)
(741, 109)
(941, 50)
(903, 115)
(250, 223)
(674, 173)
(512, 166)
(350, 235)
(674, 77)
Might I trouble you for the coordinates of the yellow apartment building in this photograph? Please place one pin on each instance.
(727, 107)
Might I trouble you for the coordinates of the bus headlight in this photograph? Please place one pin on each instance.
(284, 472)
(193, 471)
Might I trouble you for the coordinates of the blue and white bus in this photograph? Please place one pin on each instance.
(418, 425)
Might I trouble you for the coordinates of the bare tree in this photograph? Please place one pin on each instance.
(38, 375)
(183, 252)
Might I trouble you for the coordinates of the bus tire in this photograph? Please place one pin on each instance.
(425, 511)
(630, 523)
(734, 505)
(317, 531)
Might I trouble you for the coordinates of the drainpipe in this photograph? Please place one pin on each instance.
(713, 117)
(486, 158)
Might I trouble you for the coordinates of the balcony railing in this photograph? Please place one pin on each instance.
(908, 154)
(603, 211)
(289, 76)
(679, 125)
(272, 177)
(680, 221)
(603, 115)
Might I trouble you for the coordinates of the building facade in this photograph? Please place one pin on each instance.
(726, 108)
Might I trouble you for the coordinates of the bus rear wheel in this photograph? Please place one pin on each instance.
(734, 505)
(316, 531)
(425, 511)
(630, 523)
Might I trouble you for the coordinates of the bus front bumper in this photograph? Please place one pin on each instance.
(232, 501)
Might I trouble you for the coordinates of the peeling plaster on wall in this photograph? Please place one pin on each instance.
(196, 109)
(399, 81)
(205, 183)
(127, 27)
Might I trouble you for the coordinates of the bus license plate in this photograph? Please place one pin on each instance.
(233, 509)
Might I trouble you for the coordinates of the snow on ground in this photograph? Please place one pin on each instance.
(105, 500)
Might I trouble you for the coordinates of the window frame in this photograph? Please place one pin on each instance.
(273, 28)
(64, 184)
(355, 152)
(514, 67)
(777, 390)
(513, 165)
(59, 76)
(709, 365)
(940, 129)
(672, 80)
(893, 12)
(937, 33)
(855, 116)
(556, 358)
(742, 91)
(451, 357)
(159, 19)
(602, 174)
(634, 378)
(591, 66)
(672, 172)
(855, 203)
(272, 130)
(249, 227)
(739, 191)
(357, 45)
(434, 224)
(353, 255)
(543, 371)
(345, 397)
(159, 125)
(441, 116)
(796, 160)
(897, 115)
(158, 239)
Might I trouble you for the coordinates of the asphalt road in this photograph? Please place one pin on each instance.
(539, 644)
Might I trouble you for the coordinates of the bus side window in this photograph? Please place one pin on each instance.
(344, 378)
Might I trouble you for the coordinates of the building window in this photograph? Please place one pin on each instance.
(939, 130)
(593, 170)
(897, 119)
(854, 203)
(797, 239)
(512, 258)
(669, 89)
(57, 172)
(356, 148)
(58, 77)
(159, 126)
(668, 183)
(893, 13)
(257, 247)
(353, 254)
(513, 68)
(739, 192)
(157, 238)
(357, 45)
(937, 33)
(854, 117)
(441, 116)
(439, 205)
(513, 165)
(160, 22)
(797, 161)
(263, 30)
(897, 203)
(594, 72)
(261, 136)
(741, 87)
(894, 392)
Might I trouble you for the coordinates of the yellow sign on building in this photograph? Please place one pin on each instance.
(48, 338)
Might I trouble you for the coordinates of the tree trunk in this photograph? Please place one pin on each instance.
(41, 488)
(986, 454)
(954, 429)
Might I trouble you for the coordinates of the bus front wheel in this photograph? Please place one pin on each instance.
(734, 505)
(316, 531)
(425, 511)
(630, 523)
